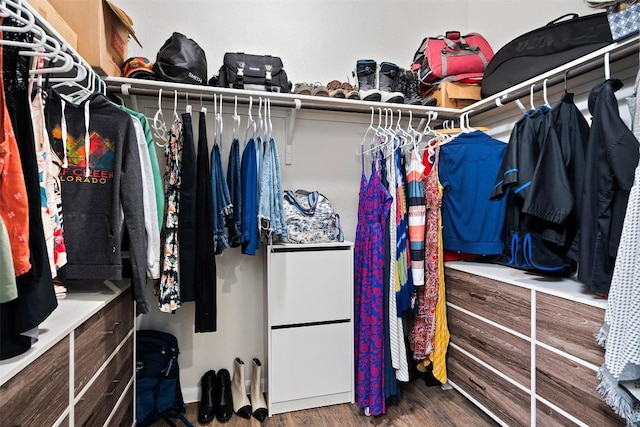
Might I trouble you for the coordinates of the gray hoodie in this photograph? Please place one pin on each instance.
(101, 191)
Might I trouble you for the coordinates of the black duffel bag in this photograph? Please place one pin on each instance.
(253, 72)
(544, 49)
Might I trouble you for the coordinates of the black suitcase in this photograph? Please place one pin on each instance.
(543, 49)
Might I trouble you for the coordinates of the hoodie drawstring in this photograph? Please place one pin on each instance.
(63, 125)
(87, 142)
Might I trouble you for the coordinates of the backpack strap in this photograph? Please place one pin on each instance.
(180, 417)
(240, 66)
(310, 211)
(268, 70)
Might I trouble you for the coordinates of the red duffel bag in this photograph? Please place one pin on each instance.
(462, 57)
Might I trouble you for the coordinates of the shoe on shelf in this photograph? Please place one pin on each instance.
(224, 400)
(258, 402)
(335, 89)
(430, 102)
(241, 404)
(366, 75)
(350, 92)
(412, 88)
(319, 90)
(302, 88)
(207, 406)
(387, 82)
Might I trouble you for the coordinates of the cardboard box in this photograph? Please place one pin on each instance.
(456, 95)
(49, 14)
(103, 32)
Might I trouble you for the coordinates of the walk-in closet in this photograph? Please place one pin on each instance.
(479, 266)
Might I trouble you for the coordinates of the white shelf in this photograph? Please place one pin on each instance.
(561, 287)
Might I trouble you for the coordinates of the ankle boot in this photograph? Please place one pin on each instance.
(258, 402)
(366, 74)
(387, 81)
(241, 405)
(224, 401)
(207, 406)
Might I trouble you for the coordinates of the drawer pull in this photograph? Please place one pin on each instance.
(113, 330)
(112, 389)
(480, 297)
(481, 387)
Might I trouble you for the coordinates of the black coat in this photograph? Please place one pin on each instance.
(611, 160)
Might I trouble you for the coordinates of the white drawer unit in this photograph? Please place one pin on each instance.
(309, 326)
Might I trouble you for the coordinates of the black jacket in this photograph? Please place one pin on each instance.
(538, 195)
(611, 160)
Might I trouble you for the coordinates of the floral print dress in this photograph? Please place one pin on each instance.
(373, 209)
(168, 287)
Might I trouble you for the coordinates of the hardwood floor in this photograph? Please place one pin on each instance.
(418, 406)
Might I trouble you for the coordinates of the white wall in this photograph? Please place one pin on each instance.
(318, 41)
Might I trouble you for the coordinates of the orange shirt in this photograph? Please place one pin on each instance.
(14, 207)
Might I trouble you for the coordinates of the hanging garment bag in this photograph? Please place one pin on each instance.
(543, 49)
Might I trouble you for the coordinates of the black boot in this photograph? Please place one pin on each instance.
(387, 81)
(366, 75)
(224, 400)
(258, 402)
(412, 89)
(207, 406)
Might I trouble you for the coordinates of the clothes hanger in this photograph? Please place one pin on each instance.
(250, 122)
(81, 74)
(393, 140)
(71, 89)
(544, 93)
(29, 20)
(404, 136)
(416, 137)
(215, 119)
(260, 120)
(468, 128)
(607, 66)
(236, 117)
(361, 151)
(270, 122)
(465, 126)
(159, 124)
(379, 137)
(203, 109)
(220, 123)
(533, 107)
(176, 116)
(187, 109)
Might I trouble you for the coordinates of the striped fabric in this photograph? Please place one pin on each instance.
(416, 203)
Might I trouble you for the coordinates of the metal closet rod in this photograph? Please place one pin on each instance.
(579, 70)
(194, 97)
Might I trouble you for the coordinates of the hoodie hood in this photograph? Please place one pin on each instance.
(607, 85)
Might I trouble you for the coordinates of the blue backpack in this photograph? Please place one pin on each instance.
(158, 392)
